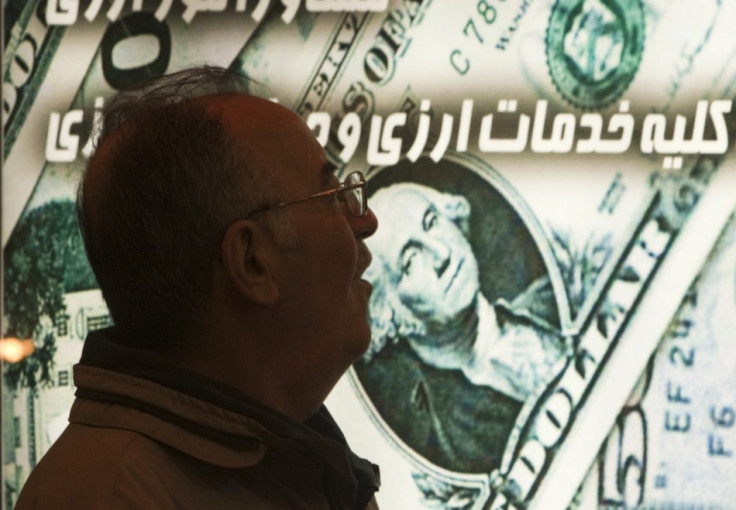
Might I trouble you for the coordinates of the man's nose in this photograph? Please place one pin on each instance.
(364, 226)
(440, 255)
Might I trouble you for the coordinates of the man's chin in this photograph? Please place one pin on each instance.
(465, 296)
(362, 339)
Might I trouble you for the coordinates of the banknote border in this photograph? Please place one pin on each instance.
(28, 91)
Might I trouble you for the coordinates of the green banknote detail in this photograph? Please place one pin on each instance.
(594, 49)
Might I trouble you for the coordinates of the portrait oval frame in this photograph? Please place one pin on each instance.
(467, 175)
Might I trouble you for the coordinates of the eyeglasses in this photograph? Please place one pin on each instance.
(352, 191)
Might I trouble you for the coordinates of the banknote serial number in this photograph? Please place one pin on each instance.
(485, 14)
(677, 415)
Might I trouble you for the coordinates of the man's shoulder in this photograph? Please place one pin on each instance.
(106, 468)
(91, 467)
(87, 449)
(82, 468)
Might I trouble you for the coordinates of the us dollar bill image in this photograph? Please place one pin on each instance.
(532, 181)
(478, 382)
(440, 426)
(673, 442)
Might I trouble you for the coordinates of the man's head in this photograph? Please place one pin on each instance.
(165, 208)
(164, 183)
(425, 270)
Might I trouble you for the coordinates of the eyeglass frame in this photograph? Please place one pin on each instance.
(340, 191)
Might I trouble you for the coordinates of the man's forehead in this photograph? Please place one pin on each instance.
(403, 200)
(406, 206)
(406, 223)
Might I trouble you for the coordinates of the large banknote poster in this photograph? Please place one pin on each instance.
(555, 269)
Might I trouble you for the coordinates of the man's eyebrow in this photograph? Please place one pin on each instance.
(413, 243)
(431, 209)
(410, 244)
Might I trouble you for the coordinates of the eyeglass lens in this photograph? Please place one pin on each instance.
(354, 194)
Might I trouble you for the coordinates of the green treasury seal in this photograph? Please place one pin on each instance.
(594, 49)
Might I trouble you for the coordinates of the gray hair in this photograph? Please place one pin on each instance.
(390, 319)
(173, 179)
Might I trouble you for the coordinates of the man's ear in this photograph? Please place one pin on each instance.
(246, 257)
(456, 207)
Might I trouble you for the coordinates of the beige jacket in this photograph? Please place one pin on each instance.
(133, 443)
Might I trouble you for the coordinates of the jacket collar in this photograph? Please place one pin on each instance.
(140, 390)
